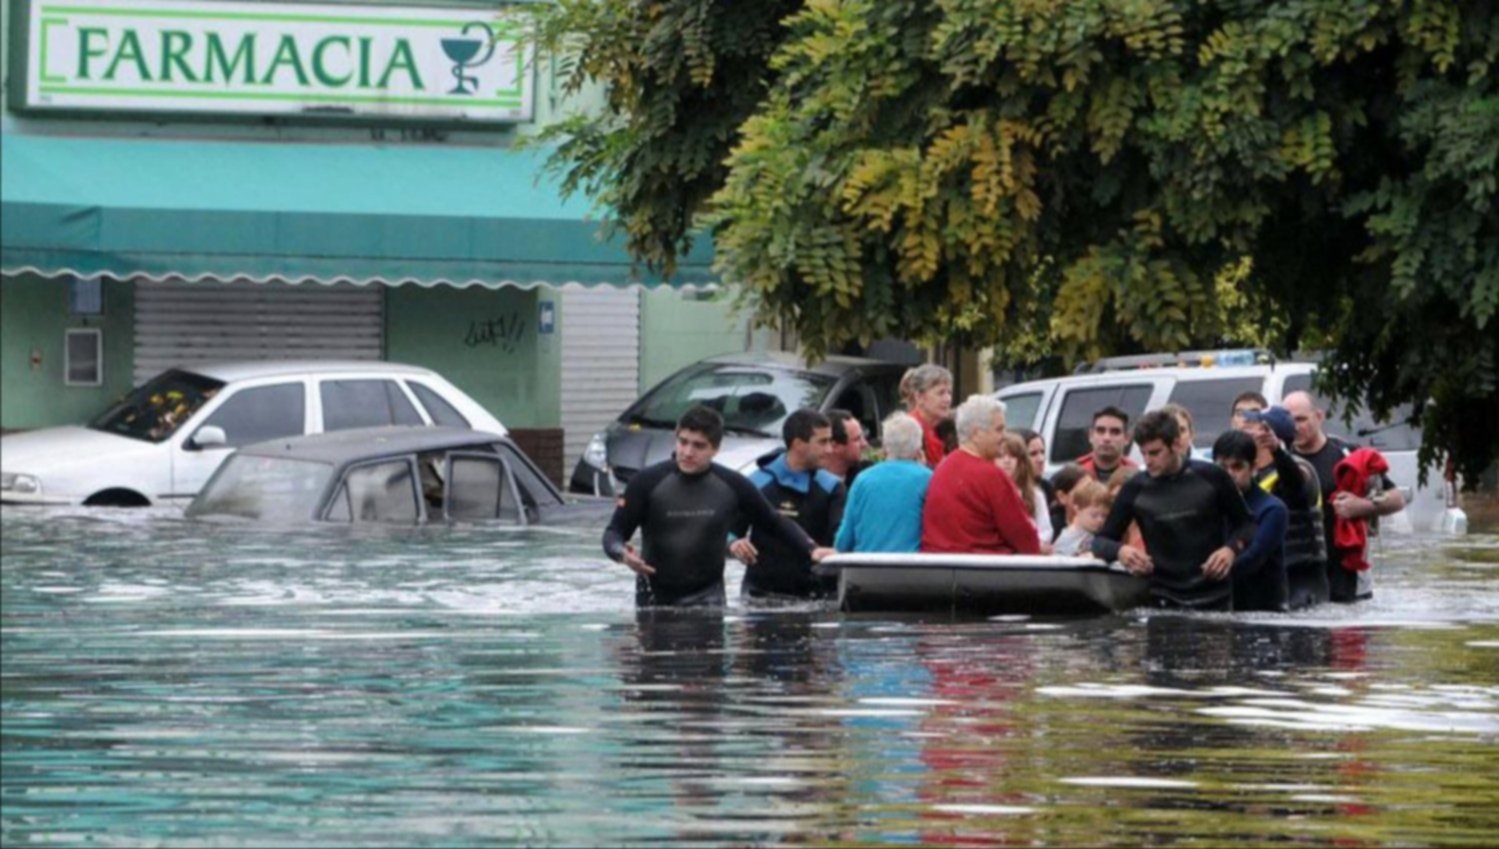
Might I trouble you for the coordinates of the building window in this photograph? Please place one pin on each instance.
(86, 297)
(83, 363)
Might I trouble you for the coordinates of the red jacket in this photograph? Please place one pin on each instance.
(933, 449)
(1350, 537)
(1087, 462)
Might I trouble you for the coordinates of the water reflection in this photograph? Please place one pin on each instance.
(169, 683)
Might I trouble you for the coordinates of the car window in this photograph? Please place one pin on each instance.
(365, 403)
(537, 490)
(378, 492)
(1393, 435)
(480, 488)
(1078, 406)
(261, 413)
(272, 489)
(440, 411)
(1211, 404)
(752, 399)
(887, 394)
(154, 410)
(1021, 409)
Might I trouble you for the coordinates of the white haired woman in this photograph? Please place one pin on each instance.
(927, 391)
(883, 512)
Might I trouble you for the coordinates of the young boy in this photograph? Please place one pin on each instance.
(1259, 571)
(1091, 501)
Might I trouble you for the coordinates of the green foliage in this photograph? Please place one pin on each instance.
(1081, 177)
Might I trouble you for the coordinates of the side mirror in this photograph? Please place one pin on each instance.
(208, 436)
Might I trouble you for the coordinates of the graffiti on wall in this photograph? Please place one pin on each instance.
(504, 332)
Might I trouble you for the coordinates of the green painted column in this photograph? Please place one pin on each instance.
(678, 329)
(33, 318)
(484, 341)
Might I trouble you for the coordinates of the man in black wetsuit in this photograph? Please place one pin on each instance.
(685, 508)
(1191, 516)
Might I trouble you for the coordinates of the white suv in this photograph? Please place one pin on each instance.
(1061, 410)
(164, 439)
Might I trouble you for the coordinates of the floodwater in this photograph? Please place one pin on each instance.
(171, 683)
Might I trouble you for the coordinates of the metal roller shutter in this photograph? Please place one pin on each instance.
(600, 362)
(185, 323)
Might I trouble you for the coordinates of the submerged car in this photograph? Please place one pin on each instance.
(754, 392)
(164, 439)
(388, 475)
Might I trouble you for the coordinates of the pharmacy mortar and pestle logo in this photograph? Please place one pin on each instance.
(463, 50)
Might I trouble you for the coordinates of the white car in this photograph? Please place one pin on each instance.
(1061, 410)
(164, 439)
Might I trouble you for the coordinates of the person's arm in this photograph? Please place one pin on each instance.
(1269, 536)
(1236, 516)
(763, 517)
(629, 515)
(1110, 538)
(1388, 500)
(1291, 489)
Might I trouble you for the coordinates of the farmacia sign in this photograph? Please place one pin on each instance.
(411, 62)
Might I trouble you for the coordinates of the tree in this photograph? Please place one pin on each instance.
(1084, 173)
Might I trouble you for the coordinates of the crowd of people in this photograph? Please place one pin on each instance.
(1277, 520)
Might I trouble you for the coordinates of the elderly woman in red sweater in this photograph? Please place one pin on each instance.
(927, 391)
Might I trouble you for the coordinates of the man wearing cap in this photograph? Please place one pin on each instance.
(1295, 482)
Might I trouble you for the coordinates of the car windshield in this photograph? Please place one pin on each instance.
(154, 410)
(268, 489)
(754, 400)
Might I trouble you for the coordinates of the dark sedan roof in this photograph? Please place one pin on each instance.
(343, 446)
(834, 365)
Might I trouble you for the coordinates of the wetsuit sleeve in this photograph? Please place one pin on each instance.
(761, 515)
(1107, 542)
(1236, 516)
(629, 513)
(1269, 535)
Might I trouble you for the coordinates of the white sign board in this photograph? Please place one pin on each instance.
(423, 63)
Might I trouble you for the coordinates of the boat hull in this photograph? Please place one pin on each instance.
(985, 584)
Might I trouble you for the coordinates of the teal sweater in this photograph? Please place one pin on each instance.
(884, 508)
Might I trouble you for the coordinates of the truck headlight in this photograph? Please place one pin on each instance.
(597, 452)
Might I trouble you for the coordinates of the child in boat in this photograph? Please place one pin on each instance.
(1091, 501)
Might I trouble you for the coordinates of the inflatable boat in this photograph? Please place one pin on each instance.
(984, 583)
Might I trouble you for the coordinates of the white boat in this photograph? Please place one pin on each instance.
(984, 583)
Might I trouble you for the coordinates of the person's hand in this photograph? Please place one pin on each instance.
(1135, 560)
(1349, 506)
(1047, 548)
(1219, 563)
(637, 563)
(822, 552)
(744, 551)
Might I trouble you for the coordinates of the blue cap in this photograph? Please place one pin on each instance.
(1280, 422)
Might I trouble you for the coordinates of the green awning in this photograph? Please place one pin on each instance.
(414, 213)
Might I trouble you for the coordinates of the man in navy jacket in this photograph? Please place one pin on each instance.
(795, 484)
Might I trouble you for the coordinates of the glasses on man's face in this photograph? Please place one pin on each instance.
(1240, 411)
